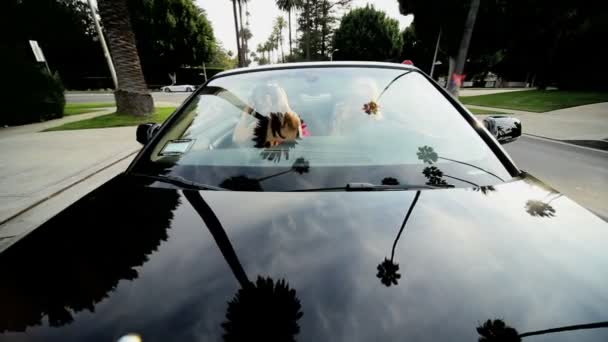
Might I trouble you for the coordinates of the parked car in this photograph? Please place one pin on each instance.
(176, 87)
(391, 214)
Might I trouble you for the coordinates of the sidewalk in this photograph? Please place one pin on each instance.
(588, 122)
(37, 166)
(42, 173)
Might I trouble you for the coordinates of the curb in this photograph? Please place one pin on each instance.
(565, 142)
(46, 198)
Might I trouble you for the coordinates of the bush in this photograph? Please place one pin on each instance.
(34, 95)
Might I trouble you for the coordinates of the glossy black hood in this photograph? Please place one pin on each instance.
(205, 266)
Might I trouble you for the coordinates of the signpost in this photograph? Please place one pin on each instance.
(38, 54)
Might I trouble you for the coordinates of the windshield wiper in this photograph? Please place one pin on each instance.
(374, 187)
(180, 182)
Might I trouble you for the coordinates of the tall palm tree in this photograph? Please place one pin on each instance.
(264, 310)
(132, 96)
(242, 26)
(236, 30)
(288, 6)
(388, 269)
(280, 25)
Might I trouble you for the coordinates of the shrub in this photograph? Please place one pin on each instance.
(34, 95)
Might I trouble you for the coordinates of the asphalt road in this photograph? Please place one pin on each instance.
(176, 98)
(578, 172)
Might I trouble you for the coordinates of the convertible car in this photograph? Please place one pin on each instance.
(315, 202)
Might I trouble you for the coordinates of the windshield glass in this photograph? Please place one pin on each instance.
(308, 128)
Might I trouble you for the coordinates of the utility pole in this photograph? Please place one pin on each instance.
(456, 78)
(435, 55)
(102, 40)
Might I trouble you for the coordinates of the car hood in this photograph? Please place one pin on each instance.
(174, 265)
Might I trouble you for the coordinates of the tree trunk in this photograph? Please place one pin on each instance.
(281, 42)
(308, 29)
(451, 63)
(243, 43)
(289, 18)
(236, 29)
(456, 77)
(132, 96)
(324, 12)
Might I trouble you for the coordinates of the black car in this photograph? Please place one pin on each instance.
(314, 202)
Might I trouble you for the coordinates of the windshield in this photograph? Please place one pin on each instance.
(312, 128)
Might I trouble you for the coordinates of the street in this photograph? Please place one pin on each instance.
(580, 173)
(158, 96)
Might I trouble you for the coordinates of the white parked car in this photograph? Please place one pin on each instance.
(175, 87)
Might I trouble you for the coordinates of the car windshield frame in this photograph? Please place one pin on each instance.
(486, 137)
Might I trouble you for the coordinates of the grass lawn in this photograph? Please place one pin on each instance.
(537, 100)
(80, 108)
(485, 111)
(116, 120)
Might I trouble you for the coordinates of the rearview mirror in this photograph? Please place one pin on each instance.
(146, 131)
(504, 128)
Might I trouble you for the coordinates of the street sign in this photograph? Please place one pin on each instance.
(37, 51)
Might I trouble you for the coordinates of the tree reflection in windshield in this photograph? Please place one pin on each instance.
(266, 310)
(243, 183)
(435, 176)
(388, 270)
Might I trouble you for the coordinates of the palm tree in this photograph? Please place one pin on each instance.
(300, 166)
(236, 30)
(132, 96)
(388, 269)
(288, 6)
(279, 26)
(264, 310)
(243, 42)
(542, 208)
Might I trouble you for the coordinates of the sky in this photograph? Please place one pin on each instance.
(263, 14)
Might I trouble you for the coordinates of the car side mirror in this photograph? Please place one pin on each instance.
(504, 128)
(146, 131)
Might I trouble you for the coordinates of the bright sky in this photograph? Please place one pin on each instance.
(263, 14)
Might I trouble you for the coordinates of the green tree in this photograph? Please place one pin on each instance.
(367, 34)
(132, 96)
(289, 6)
(171, 34)
(223, 59)
(317, 24)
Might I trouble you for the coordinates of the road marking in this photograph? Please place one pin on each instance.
(531, 136)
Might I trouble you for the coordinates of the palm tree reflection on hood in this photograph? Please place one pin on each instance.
(388, 269)
(540, 208)
(266, 310)
(498, 331)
